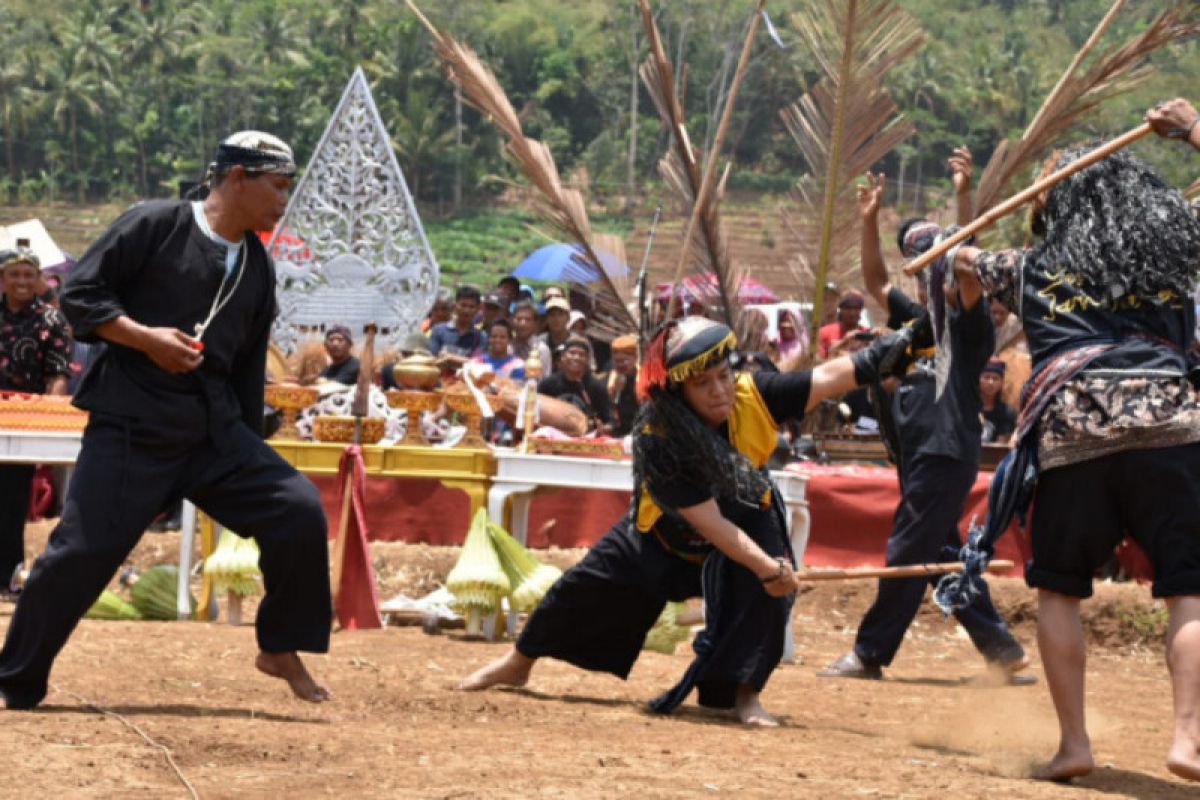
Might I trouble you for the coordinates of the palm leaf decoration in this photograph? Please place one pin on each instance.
(561, 208)
(681, 170)
(844, 124)
(1080, 91)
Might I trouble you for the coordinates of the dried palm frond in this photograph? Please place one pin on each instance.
(1193, 191)
(1114, 72)
(845, 123)
(562, 209)
(709, 190)
(681, 171)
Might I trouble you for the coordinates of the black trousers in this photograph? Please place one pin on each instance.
(16, 481)
(123, 478)
(596, 616)
(926, 522)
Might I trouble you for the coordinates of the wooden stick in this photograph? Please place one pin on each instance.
(710, 166)
(911, 571)
(1016, 201)
(339, 544)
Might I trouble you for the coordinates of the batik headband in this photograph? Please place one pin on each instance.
(681, 350)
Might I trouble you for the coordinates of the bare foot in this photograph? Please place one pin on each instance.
(1184, 759)
(1071, 761)
(511, 670)
(750, 711)
(290, 668)
(1016, 665)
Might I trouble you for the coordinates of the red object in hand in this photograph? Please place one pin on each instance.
(198, 347)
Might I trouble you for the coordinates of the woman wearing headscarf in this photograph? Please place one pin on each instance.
(705, 520)
(789, 343)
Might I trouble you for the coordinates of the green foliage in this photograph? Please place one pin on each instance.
(102, 99)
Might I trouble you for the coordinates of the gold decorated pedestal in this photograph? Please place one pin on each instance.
(455, 468)
(291, 399)
(464, 403)
(414, 403)
(340, 430)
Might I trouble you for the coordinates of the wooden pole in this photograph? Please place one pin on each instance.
(710, 166)
(910, 571)
(360, 408)
(991, 216)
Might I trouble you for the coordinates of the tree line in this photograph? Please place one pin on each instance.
(118, 99)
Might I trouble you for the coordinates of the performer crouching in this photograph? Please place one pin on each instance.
(1109, 418)
(705, 520)
(184, 295)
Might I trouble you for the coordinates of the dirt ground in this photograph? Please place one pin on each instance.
(143, 709)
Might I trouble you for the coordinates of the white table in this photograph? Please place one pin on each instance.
(519, 475)
(43, 447)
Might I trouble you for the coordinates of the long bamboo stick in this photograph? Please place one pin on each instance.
(1010, 205)
(710, 166)
(910, 571)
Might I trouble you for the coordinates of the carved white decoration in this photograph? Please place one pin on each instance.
(351, 249)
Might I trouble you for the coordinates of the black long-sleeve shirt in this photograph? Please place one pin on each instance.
(157, 267)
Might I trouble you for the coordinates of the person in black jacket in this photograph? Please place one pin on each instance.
(939, 438)
(574, 382)
(184, 296)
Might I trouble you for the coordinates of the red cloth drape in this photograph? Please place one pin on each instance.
(357, 594)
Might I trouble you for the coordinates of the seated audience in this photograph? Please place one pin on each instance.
(525, 339)
(459, 337)
(574, 383)
(849, 312)
(343, 367)
(495, 306)
(442, 311)
(621, 382)
(502, 362)
(558, 316)
(999, 418)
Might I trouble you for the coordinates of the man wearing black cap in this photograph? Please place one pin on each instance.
(343, 367)
(184, 296)
(495, 306)
(575, 383)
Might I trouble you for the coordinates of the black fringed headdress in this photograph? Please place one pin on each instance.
(1121, 230)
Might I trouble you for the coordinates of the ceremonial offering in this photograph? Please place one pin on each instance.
(417, 372)
(290, 398)
(853, 447)
(582, 448)
(464, 404)
(38, 412)
(341, 429)
(414, 403)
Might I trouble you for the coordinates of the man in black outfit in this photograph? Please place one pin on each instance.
(184, 295)
(939, 444)
(343, 367)
(575, 383)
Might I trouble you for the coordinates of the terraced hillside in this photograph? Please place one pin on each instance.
(758, 239)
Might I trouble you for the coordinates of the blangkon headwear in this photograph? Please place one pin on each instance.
(255, 151)
(21, 255)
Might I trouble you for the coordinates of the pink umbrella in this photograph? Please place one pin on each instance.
(703, 288)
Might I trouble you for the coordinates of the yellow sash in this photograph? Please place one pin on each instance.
(752, 430)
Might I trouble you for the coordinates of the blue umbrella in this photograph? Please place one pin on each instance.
(558, 262)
